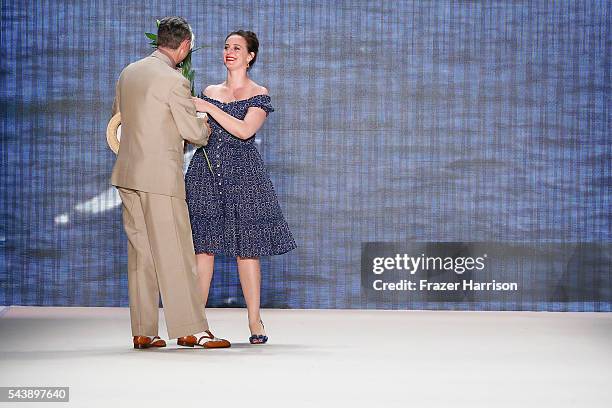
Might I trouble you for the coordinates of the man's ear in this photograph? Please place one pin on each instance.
(184, 48)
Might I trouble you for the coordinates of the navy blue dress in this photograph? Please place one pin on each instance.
(234, 211)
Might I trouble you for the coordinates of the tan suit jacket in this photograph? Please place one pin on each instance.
(157, 113)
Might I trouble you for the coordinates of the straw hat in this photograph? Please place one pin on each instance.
(113, 133)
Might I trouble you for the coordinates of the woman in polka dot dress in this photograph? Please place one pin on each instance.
(233, 208)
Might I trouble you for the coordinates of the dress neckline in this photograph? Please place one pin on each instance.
(239, 100)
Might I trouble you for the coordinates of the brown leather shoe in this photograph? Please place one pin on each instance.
(143, 342)
(213, 342)
(187, 341)
(157, 342)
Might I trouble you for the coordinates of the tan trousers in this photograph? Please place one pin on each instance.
(161, 258)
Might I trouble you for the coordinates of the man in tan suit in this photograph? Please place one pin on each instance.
(157, 115)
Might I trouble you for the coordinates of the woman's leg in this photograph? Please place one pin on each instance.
(205, 264)
(250, 280)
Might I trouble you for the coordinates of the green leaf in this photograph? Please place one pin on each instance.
(151, 36)
(157, 23)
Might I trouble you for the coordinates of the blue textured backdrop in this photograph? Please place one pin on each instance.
(395, 121)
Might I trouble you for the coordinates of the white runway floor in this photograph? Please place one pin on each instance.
(317, 358)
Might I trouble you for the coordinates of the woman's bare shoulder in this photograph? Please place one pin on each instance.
(258, 89)
(213, 91)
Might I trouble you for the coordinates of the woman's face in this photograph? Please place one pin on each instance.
(235, 53)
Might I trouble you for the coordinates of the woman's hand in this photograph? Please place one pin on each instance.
(200, 104)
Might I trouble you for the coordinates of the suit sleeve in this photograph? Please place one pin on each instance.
(191, 128)
(117, 99)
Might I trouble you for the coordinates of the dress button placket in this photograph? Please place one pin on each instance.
(218, 146)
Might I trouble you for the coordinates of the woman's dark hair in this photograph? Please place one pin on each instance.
(172, 31)
(252, 43)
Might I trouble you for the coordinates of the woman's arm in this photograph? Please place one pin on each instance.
(242, 129)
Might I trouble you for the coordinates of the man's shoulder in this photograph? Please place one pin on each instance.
(137, 64)
(149, 62)
(153, 68)
(133, 68)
